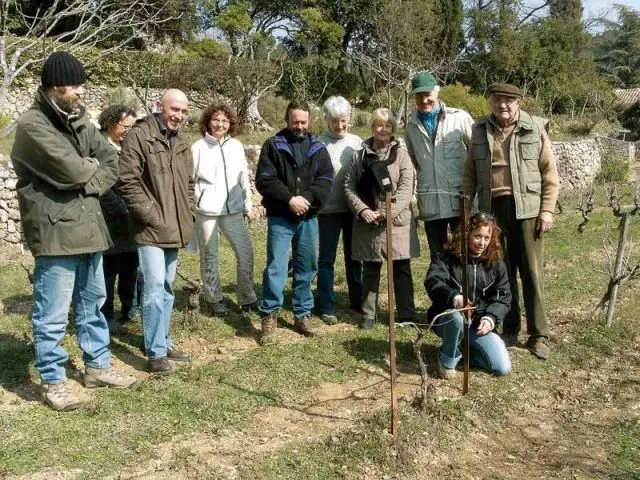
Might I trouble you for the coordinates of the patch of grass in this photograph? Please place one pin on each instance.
(626, 449)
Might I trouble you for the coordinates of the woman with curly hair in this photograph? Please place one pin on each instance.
(223, 200)
(489, 293)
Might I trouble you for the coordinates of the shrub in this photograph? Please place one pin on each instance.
(458, 96)
(5, 119)
(272, 110)
(360, 119)
(614, 169)
(122, 96)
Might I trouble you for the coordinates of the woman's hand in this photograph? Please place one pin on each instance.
(369, 216)
(485, 326)
(251, 214)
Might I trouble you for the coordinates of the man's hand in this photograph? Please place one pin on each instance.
(543, 223)
(299, 205)
(369, 216)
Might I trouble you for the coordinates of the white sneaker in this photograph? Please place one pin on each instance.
(446, 373)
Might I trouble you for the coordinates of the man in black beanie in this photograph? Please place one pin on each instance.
(63, 165)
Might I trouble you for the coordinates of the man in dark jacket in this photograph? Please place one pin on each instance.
(156, 180)
(294, 177)
(63, 165)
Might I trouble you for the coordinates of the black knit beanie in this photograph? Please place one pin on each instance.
(62, 68)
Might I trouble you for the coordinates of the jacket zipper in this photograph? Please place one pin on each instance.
(226, 181)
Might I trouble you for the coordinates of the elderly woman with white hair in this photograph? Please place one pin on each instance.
(335, 216)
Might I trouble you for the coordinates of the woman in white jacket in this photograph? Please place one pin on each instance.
(223, 200)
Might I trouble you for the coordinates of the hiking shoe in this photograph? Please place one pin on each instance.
(160, 366)
(107, 377)
(268, 336)
(329, 319)
(366, 323)
(303, 326)
(177, 356)
(445, 373)
(59, 397)
(510, 339)
(220, 308)
(539, 347)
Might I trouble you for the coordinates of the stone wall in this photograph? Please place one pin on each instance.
(94, 100)
(617, 147)
(578, 162)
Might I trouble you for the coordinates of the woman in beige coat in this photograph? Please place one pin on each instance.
(382, 156)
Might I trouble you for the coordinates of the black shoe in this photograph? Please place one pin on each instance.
(160, 366)
(249, 307)
(177, 356)
(367, 323)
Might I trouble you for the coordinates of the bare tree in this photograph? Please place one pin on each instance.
(29, 34)
(620, 268)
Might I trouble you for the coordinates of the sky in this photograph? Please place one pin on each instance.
(595, 7)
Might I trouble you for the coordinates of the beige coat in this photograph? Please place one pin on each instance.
(369, 240)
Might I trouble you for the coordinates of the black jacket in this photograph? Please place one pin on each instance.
(279, 177)
(488, 286)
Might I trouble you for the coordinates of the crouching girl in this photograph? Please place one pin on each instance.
(488, 292)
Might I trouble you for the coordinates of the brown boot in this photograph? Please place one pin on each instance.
(304, 327)
(269, 328)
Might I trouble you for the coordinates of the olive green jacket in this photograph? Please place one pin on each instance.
(63, 165)
(156, 180)
(533, 169)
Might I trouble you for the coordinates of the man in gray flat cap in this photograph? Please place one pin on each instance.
(437, 137)
(512, 170)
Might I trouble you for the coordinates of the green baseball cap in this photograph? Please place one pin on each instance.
(423, 82)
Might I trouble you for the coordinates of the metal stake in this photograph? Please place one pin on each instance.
(465, 291)
(392, 307)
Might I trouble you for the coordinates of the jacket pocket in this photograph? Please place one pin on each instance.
(530, 150)
(403, 218)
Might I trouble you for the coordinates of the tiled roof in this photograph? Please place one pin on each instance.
(627, 96)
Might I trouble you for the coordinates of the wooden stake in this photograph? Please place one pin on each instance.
(392, 307)
(465, 291)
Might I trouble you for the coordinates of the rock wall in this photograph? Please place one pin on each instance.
(578, 164)
(617, 147)
(95, 99)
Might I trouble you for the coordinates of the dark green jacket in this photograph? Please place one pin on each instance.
(156, 180)
(63, 166)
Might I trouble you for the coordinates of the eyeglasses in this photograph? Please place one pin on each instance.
(224, 121)
(125, 127)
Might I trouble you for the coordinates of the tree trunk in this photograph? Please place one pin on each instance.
(622, 242)
(252, 118)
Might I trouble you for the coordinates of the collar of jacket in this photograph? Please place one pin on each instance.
(214, 141)
(57, 117)
(154, 123)
(415, 115)
(282, 144)
(367, 145)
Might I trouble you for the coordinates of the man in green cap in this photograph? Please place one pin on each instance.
(437, 139)
(512, 170)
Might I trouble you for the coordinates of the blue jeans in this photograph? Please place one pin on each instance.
(158, 267)
(488, 352)
(302, 238)
(330, 226)
(53, 291)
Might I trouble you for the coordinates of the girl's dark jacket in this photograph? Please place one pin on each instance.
(488, 286)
